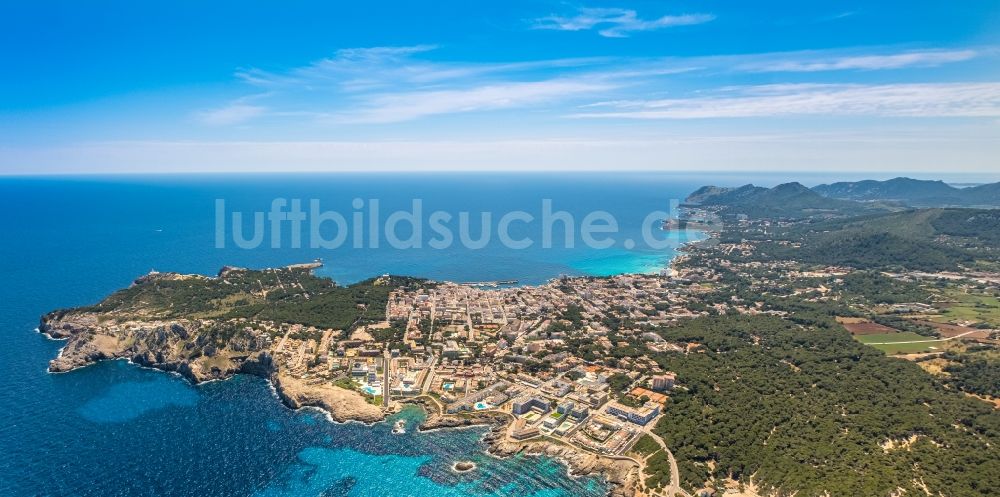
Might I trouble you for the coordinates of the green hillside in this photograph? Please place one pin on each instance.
(789, 200)
(927, 239)
(288, 295)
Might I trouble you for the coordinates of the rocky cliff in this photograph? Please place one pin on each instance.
(194, 349)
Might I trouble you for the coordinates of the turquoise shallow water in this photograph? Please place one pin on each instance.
(117, 430)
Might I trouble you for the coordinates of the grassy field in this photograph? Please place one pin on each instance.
(905, 336)
(890, 343)
(909, 348)
(969, 307)
(346, 383)
(645, 446)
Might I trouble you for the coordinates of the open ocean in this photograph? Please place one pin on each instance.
(117, 430)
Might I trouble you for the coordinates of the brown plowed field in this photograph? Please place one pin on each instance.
(868, 328)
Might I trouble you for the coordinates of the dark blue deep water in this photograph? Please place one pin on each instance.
(117, 430)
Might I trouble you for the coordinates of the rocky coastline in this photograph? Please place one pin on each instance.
(437, 420)
(88, 343)
(342, 405)
(620, 473)
(158, 345)
(192, 349)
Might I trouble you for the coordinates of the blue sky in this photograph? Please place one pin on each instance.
(910, 87)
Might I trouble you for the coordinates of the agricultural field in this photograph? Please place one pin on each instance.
(906, 336)
(971, 307)
(868, 328)
(901, 343)
(909, 348)
(850, 320)
(950, 330)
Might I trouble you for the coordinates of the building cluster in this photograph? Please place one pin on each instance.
(585, 411)
(509, 349)
(468, 312)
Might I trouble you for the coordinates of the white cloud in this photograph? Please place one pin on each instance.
(896, 100)
(396, 84)
(348, 66)
(389, 84)
(407, 106)
(816, 62)
(235, 113)
(842, 15)
(369, 69)
(616, 22)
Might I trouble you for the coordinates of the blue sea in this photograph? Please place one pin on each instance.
(114, 429)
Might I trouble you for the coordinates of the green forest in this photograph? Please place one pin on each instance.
(286, 295)
(974, 373)
(806, 410)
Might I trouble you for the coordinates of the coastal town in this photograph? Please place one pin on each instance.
(473, 351)
(601, 372)
(517, 350)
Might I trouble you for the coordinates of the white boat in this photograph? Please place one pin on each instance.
(399, 428)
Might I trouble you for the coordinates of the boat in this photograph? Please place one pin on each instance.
(399, 428)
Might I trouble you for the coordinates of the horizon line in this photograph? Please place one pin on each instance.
(868, 175)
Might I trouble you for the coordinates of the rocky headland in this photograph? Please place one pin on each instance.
(176, 346)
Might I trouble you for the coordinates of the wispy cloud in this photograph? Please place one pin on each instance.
(389, 84)
(398, 84)
(839, 15)
(368, 69)
(897, 100)
(235, 113)
(616, 22)
(407, 106)
(815, 62)
(352, 68)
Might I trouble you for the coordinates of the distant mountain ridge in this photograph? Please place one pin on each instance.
(787, 200)
(795, 201)
(914, 192)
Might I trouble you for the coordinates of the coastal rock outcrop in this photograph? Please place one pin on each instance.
(342, 405)
(620, 472)
(186, 347)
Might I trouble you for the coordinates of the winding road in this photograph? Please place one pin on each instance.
(675, 478)
(925, 341)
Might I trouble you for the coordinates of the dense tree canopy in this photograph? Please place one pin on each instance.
(807, 409)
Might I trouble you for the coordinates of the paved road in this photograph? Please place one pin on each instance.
(924, 341)
(675, 477)
(429, 377)
(386, 377)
